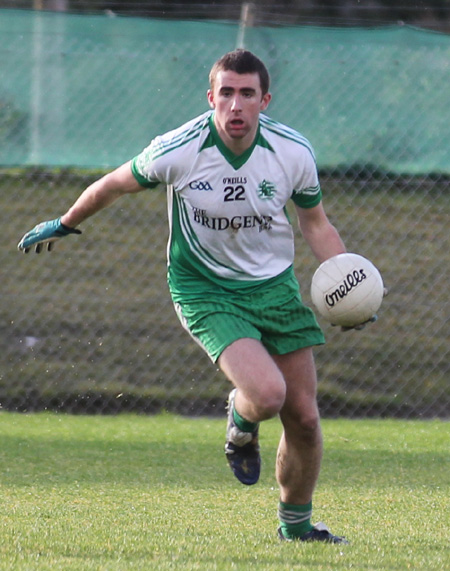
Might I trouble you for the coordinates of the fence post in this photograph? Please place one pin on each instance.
(247, 20)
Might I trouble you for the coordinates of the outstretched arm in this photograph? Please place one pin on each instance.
(101, 194)
(97, 196)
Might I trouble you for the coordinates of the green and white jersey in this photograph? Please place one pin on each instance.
(228, 222)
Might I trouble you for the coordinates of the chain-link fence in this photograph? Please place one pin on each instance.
(90, 327)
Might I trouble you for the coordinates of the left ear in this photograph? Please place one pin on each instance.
(265, 101)
(210, 97)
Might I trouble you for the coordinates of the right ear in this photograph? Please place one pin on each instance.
(210, 97)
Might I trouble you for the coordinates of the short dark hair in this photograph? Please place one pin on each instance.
(241, 61)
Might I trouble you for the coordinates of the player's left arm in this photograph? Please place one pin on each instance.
(323, 239)
(321, 236)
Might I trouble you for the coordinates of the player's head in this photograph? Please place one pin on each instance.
(241, 61)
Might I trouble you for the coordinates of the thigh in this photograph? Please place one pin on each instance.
(249, 366)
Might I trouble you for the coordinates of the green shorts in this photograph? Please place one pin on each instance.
(274, 315)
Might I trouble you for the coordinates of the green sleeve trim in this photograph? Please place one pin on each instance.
(141, 179)
(307, 198)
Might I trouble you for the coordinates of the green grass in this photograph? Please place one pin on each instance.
(133, 492)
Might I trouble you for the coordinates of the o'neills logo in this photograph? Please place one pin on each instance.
(350, 282)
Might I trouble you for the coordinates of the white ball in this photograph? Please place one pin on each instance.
(347, 289)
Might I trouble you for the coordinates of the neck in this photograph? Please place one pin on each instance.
(237, 145)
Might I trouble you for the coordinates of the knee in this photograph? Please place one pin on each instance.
(309, 424)
(269, 400)
(302, 424)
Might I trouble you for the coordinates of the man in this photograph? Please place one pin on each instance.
(229, 174)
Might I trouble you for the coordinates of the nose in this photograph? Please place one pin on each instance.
(236, 103)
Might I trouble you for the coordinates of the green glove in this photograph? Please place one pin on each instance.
(43, 234)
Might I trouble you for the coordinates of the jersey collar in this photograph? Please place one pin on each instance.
(236, 161)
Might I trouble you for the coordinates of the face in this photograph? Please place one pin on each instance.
(237, 100)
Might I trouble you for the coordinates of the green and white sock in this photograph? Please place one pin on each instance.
(242, 424)
(295, 519)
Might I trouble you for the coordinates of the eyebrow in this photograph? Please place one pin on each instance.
(228, 88)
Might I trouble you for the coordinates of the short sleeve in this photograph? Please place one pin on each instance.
(307, 197)
(143, 167)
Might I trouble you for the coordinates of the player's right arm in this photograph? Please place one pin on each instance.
(99, 195)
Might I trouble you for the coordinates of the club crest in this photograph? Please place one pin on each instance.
(266, 190)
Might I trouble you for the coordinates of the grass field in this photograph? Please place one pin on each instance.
(133, 492)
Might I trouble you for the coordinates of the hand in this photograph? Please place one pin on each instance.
(362, 325)
(44, 234)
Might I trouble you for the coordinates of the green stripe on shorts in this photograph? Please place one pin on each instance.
(275, 315)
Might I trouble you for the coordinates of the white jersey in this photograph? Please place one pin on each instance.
(227, 214)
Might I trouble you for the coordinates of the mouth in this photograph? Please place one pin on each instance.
(236, 127)
(237, 123)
